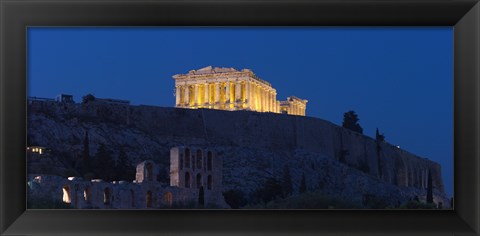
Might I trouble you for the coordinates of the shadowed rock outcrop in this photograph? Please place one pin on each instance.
(254, 146)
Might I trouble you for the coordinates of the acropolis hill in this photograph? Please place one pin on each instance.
(254, 146)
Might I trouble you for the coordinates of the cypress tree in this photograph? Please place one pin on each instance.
(104, 164)
(350, 121)
(201, 196)
(123, 168)
(379, 137)
(86, 166)
(429, 188)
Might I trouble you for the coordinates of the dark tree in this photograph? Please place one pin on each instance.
(350, 121)
(303, 184)
(287, 182)
(201, 196)
(86, 165)
(270, 190)
(104, 164)
(379, 137)
(88, 98)
(429, 188)
(123, 169)
(235, 198)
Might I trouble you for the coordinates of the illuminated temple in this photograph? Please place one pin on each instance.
(230, 89)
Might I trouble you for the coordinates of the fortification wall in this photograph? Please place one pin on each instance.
(254, 145)
(284, 132)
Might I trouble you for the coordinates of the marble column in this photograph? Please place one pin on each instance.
(257, 97)
(271, 102)
(267, 105)
(217, 95)
(254, 96)
(275, 108)
(177, 95)
(264, 100)
(238, 91)
(227, 94)
(187, 95)
(206, 95)
(247, 94)
(260, 96)
(260, 100)
(195, 95)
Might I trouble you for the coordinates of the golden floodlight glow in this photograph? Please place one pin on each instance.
(66, 194)
(231, 90)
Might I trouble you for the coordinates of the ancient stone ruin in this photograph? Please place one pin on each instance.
(191, 169)
(252, 147)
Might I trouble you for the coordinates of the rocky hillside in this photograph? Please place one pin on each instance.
(254, 146)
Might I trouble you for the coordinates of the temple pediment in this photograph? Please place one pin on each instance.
(211, 70)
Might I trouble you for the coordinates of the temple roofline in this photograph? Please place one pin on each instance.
(219, 71)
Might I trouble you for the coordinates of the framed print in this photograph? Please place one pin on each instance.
(244, 128)
(238, 138)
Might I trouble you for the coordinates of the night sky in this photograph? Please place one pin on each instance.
(399, 79)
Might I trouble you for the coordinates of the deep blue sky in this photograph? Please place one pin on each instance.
(399, 79)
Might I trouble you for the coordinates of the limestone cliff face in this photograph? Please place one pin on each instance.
(254, 146)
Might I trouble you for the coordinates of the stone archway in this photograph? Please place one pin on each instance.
(67, 197)
(87, 195)
(187, 158)
(149, 199)
(209, 160)
(168, 198)
(107, 195)
(199, 180)
(199, 159)
(187, 180)
(209, 182)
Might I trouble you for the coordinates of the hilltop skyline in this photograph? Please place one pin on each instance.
(399, 80)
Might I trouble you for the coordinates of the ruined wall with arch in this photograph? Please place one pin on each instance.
(143, 192)
(193, 167)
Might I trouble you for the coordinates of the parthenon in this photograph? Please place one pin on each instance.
(230, 89)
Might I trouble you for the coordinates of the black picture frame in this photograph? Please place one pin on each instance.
(16, 15)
